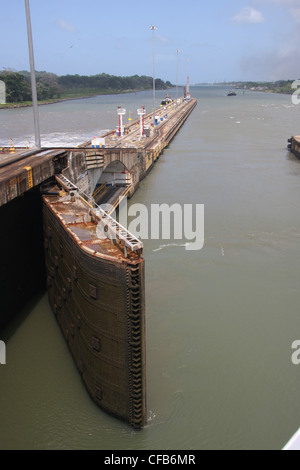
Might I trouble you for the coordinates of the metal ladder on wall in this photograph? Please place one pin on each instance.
(112, 229)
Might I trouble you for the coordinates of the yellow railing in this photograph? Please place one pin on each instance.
(117, 203)
(99, 190)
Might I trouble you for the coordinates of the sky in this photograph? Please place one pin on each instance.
(221, 40)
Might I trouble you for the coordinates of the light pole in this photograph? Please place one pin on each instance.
(153, 29)
(177, 51)
(141, 112)
(33, 81)
(187, 80)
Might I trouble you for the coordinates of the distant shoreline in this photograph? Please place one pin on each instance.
(58, 100)
(28, 104)
(282, 87)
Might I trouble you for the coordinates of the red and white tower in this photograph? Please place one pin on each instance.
(121, 112)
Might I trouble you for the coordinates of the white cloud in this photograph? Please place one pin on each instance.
(295, 12)
(248, 15)
(65, 26)
(278, 65)
(281, 60)
(292, 5)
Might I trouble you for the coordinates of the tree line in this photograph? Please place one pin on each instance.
(279, 86)
(51, 86)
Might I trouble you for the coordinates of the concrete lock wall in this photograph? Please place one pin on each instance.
(101, 163)
(77, 171)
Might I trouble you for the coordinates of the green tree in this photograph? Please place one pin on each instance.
(17, 87)
(48, 86)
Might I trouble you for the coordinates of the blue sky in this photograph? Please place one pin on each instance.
(218, 40)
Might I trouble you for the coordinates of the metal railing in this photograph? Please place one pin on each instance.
(111, 228)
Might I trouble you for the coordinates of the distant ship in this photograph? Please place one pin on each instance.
(231, 93)
(166, 100)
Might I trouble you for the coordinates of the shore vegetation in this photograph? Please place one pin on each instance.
(52, 88)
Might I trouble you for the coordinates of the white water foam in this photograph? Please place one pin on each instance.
(59, 139)
(162, 247)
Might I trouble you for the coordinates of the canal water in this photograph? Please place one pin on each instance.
(220, 321)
